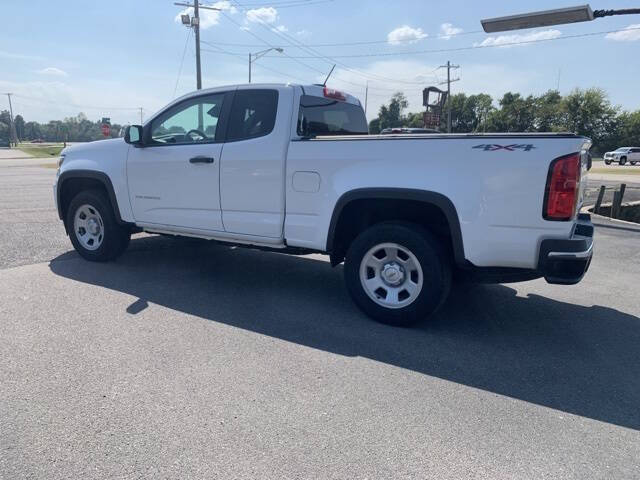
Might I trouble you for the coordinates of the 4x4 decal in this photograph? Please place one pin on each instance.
(492, 147)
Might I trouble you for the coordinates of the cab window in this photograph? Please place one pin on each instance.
(324, 116)
(253, 114)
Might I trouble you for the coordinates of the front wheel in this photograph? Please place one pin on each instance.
(93, 228)
(397, 273)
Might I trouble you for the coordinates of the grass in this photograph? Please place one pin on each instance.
(616, 171)
(41, 151)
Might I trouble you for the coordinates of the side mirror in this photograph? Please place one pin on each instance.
(133, 135)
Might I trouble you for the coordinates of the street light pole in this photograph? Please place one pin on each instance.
(255, 56)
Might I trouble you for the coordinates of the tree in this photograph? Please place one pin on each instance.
(19, 123)
(4, 131)
(390, 116)
(548, 112)
(469, 113)
(589, 113)
(629, 128)
(516, 114)
(32, 131)
(414, 120)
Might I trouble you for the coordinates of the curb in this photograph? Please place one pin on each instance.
(609, 219)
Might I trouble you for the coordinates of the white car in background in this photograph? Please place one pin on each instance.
(623, 155)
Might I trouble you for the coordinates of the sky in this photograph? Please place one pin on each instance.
(109, 58)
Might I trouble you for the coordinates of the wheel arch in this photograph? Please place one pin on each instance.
(429, 199)
(73, 181)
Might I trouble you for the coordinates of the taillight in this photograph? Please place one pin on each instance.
(563, 183)
(336, 94)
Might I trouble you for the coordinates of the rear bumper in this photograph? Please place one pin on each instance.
(565, 262)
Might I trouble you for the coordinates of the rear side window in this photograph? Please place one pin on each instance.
(253, 114)
(325, 116)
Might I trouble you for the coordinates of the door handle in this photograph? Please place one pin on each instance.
(201, 160)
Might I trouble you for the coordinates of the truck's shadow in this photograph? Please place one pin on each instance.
(581, 360)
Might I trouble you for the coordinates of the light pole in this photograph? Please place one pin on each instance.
(547, 18)
(255, 56)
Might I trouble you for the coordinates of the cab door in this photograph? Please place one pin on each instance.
(174, 179)
(253, 162)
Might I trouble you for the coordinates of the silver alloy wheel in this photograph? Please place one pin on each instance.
(391, 275)
(88, 227)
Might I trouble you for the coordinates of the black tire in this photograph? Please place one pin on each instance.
(116, 237)
(623, 160)
(434, 262)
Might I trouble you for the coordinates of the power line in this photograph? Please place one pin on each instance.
(288, 4)
(472, 47)
(186, 44)
(326, 58)
(222, 51)
(366, 42)
(264, 42)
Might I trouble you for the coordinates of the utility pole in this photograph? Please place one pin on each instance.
(12, 128)
(194, 23)
(196, 28)
(449, 81)
(366, 98)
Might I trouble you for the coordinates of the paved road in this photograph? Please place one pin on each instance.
(186, 359)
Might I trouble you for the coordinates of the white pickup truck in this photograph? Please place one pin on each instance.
(292, 168)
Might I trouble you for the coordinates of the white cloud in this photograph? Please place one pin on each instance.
(262, 15)
(18, 56)
(512, 40)
(208, 18)
(405, 34)
(56, 72)
(629, 34)
(447, 29)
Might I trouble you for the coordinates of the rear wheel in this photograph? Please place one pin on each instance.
(397, 273)
(94, 231)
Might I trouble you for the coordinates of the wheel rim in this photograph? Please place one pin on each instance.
(391, 275)
(88, 227)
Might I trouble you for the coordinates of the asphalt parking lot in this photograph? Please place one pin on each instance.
(185, 359)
